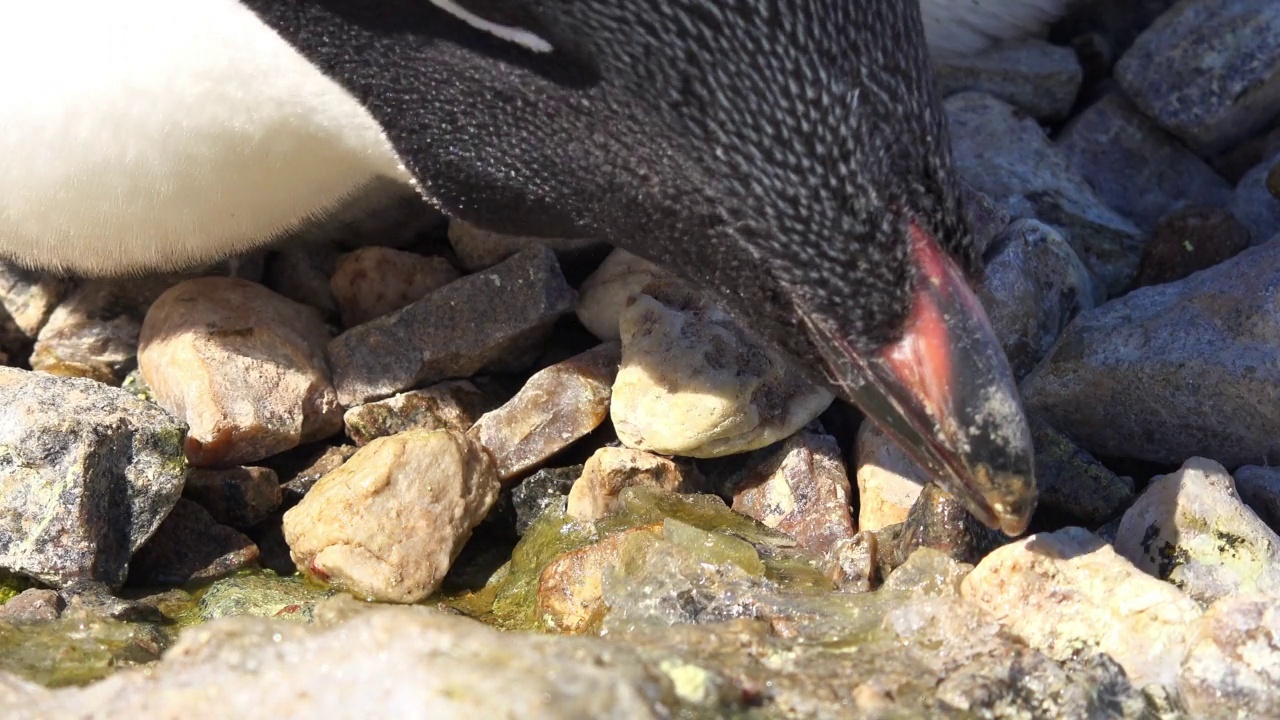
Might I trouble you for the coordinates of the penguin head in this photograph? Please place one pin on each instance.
(789, 157)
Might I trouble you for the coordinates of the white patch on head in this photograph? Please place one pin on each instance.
(147, 134)
(519, 36)
(959, 27)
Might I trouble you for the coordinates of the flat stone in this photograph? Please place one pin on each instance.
(87, 473)
(388, 524)
(1188, 240)
(1141, 171)
(1259, 487)
(610, 470)
(1256, 203)
(1067, 593)
(240, 497)
(243, 366)
(1167, 371)
(606, 292)
(450, 405)
(479, 321)
(1232, 665)
(373, 281)
(1006, 155)
(693, 383)
(190, 546)
(556, 407)
(1031, 75)
(889, 481)
(1208, 71)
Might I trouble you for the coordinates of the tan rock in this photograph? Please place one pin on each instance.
(1232, 665)
(802, 490)
(478, 249)
(242, 366)
(388, 523)
(605, 294)
(1068, 593)
(373, 281)
(557, 406)
(610, 470)
(570, 589)
(692, 383)
(452, 405)
(889, 481)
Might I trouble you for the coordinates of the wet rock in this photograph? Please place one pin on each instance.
(1232, 665)
(556, 407)
(1259, 488)
(388, 523)
(936, 521)
(693, 383)
(240, 497)
(856, 561)
(611, 470)
(373, 281)
(261, 595)
(1068, 593)
(1141, 171)
(243, 367)
(1257, 204)
(94, 599)
(75, 649)
(889, 481)
(479, 249)
(298, 473)
(1033, 285)
(1031, 75)
(1007, 156)
(571, 590)
(1208, 70)
(301, 273)
(190, 546)
(490, 318)
(1072, 484)
(1168, 371)
(606, 292)
(1195, 517)
(1190, 240)
(928, 572)
(87, 473)
(801, 489)
(544, 489)
(27, 298)
(32, 606)
(451, 405)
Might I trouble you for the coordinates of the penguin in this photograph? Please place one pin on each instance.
(791, 158)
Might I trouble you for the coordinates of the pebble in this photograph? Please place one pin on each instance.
(28, 299)
(190, 546)
(889, 480)
(1232, 664)
(1188, 240)
(1073, 485)
(492, 318)
(857, 567)
(1259, 488)
(240, 497)
(1207, 71)
(243, 366)
(373, 281)
(1168, 371)
(1194, 517)
(1256, 204)
(938, 522)
(1066, 593)
(33, 605)
(1141, 171)
(388, 524)
(571, 588)
(546, 488)
(1006, 155)
(556, 407)
(450, 405)
(88, 474)
(479, 249)
(1032, 75)
(610, 470)
(606, 292)
(693, 383)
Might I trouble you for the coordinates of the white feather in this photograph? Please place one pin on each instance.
(957, 27)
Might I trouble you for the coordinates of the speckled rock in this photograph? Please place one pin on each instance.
(938, 522)
(610, 470)
(491, 318)
(1232, 665)
(1068, 593)
(450, 405)
(388, 524)
(1259, 487)
(557, 406)
(190, 546)
(1007, 156)
(1140, 170)
(1208, 70)
(692, 383)
(1072, 484)
(243, 366)
(1173, 370)
(606, 292)
(261, 594)
(479, 249)
(373, 281)
(1257, 206)
(1032, 75)
(87, 473)
(546, 488)
(1195, 517)
(889, 481)
(28, 298)
(855, 561)
(240, 497)
(1188, 240)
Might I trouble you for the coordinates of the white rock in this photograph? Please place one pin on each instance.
(605, 293)
(889, 481)
(1232, 665)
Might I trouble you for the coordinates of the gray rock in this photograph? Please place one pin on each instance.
(190, 546)
(1208, 70)
(1259, 488)
(1230, 669)
(468, 325)
(240, 497)
(544, 489)
(301, 273)
(937, 522)
(1007, 156)
(1257, 206)
(1072, 483)
(33, 605)
(87, 473)
(1032, 75)
(1140, 170)
(1169, 371)
(986, 218)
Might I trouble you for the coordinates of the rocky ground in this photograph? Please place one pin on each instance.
(576, 488)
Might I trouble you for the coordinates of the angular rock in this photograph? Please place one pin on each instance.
(1072, 483)
(1195, 517)
(555, 407)
(1007, 156)
(388, 523)
(1068, 592)
(258, 594)
(373, 281)
(479, 249)
(1208, 71)
(937, 522)
(299, 472)
(32, 606)
(544, 489)
(489, 318)
(928, 572)
(606, 292)
(889, 481)
(1031, 75)
(27, 298)
(1256, 204)
(1141, 171)
(801, 489)
(987, 218)
(610, 470)
(244, 367)
(301, 273)
(1169, 371)
(451, 405)
(87, 473)
(1189, 240)
(1259, 488)
(571, 588)
(856, 562)
(693, 383)
(1232, 665)
(240, 497)
(190, 546)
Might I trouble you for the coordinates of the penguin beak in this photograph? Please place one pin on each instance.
(944, 391)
